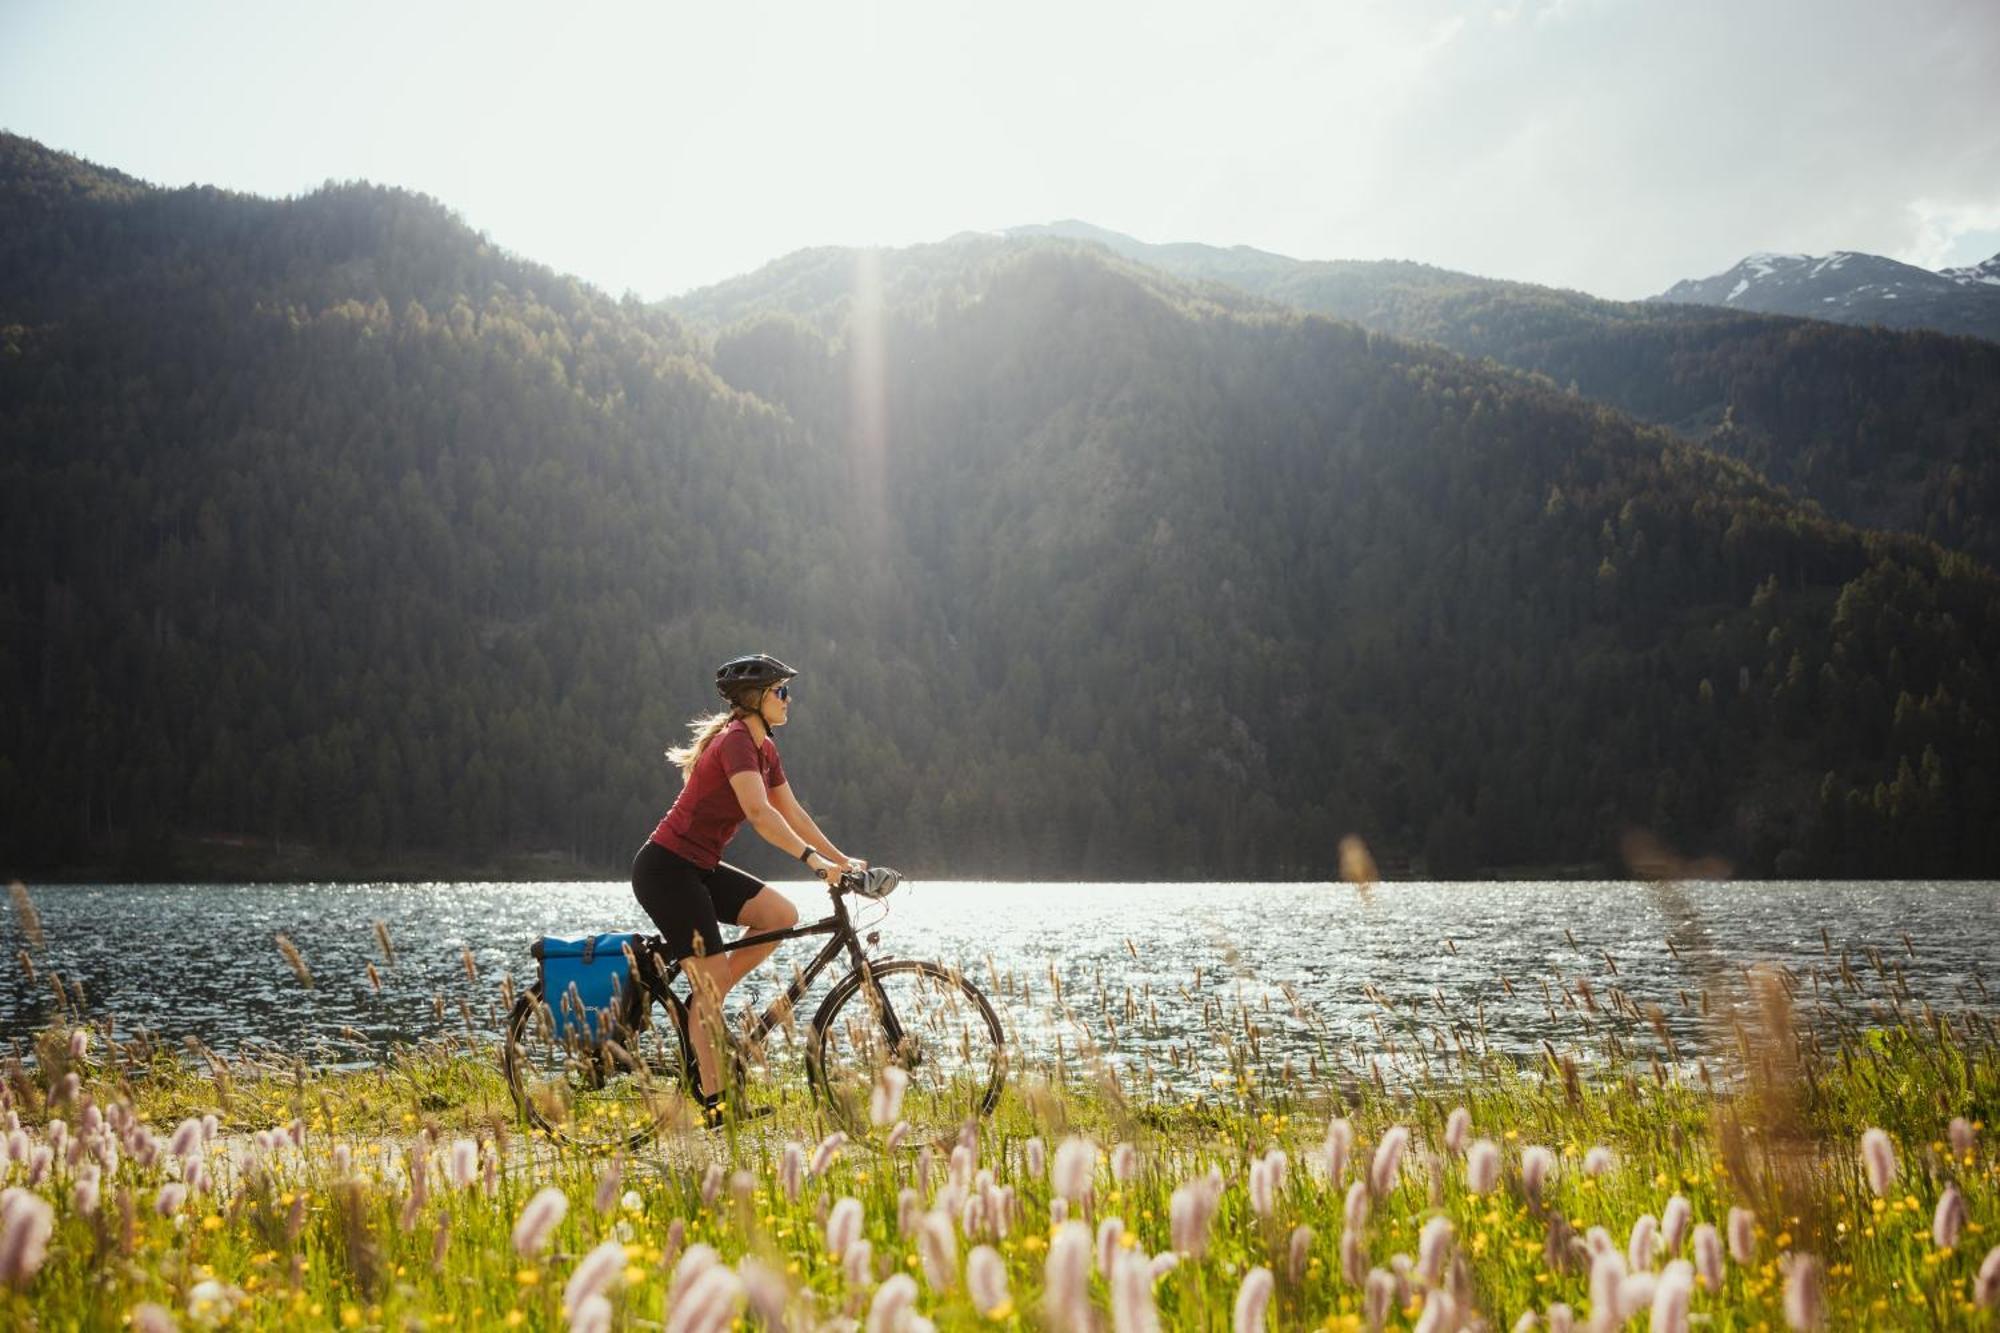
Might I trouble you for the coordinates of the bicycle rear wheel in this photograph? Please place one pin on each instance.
(614, 1092)
(922, 1018)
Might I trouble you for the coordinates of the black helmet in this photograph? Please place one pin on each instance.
(753, 672)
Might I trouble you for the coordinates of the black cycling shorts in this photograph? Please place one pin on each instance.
(686, 902)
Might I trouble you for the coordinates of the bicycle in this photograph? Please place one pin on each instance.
(614, 1075)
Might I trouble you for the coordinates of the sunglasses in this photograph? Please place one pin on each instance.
(784, 693)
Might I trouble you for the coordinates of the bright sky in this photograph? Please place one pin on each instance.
(1611, 145)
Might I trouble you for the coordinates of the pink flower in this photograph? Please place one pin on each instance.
(1076, 1163)
(894, 1302)
(1124, 1163)
(1188, 1214)
(151, 1318)
(1300, 1249)
(1132, 1295)
(939, 1251)
(886, 1102)
(1353, 1259)
(1986, 1287)
(1536, 1163)
(1878, 1158)
(1742, 1236)
(1456, 1128)
(1066, 1275)
(1672, 1296)
(1949, 1220)
(792, 1170)
(590, 1315)
(1035, 1157)
(1674, 1219)
(986, 1279)
(538, 1218)
(613, 1176)
(1109, 1232)
(843, 1226)
(1378, 1297)
(829, 1148)
(1251, 1299)
(593, 1274)
(26, 1222)
(1355, 1211)
(1607, 1273)
(1963, 1139)
(462, 1164)
(1388, 1161)
(1262, 1199)
(857, 1265)
(1708, 1257)
(1339, 1147)
(1434, 1249)
(708, 1303)
(170, 1198)
(1482, 1166)
(1803, 1309)
(1639, 1250)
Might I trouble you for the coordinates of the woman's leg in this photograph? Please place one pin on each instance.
(744, 900)
(706, 1017)
(674, 892)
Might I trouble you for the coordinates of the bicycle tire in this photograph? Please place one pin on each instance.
(612, 1094)
(953, 1048)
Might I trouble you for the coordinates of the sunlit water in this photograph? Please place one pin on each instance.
(1304, 968)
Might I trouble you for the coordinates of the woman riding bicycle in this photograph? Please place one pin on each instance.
(731, 774)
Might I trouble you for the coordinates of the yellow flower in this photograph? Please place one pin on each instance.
(634, 1275)
(350, 1317)
(213, 1222)
(1001, 1311)
(515, 1319)
(529, 1277)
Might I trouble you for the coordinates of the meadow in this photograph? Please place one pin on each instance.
(1827, 1165)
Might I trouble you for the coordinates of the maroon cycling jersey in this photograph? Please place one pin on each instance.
(707, 814)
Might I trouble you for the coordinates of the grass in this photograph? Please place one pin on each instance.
(334, 1233)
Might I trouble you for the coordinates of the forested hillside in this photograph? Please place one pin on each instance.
(1892, 428)
(330, 527)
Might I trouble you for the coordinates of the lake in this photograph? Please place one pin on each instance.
(1321, 974)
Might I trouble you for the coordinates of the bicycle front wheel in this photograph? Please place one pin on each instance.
(614, 1092)
(922, 1018)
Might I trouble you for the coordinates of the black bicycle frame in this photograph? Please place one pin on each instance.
(842, 929)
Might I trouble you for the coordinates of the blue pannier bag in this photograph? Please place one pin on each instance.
(587, 984)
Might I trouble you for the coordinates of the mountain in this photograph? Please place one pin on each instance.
(1854, 289)
(1885, 428)
(342, 543)
(1986, 274)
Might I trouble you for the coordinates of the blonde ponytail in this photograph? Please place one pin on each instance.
(703, 731)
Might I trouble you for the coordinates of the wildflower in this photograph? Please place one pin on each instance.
(1124, 1163)
(1803, 1309)
(1878, 1157)
(1456, 1127)
(711, 1184)
(151, 1318)
(1109, 1232)
(1355, 1211)
(594, 1273)
(592, 1315)
(1434, 1249)
(1949, 1219)
(1188, 1214)
(843, 1226)
(1708, 1257)
(1300, 1249)
(893, 1303)
(1607, 1272)
(857, 1264)
(1671, 1297)
(607, 1185)
(959, 1172)
(1560, 1318)
(986, 1279)
(1251, 1299)
(898, 1134)
(829, 1148)
(1376, 1299)
(1132, 1295)
(1262, 1192)
(1066, 1274)
(1339, 1147)
(1536, 1162)
(1482, 1166)
(1639, 1250)
(885, 1103)
(1742, 1235)
(1076, 1163)
(538, 1218)
(792, 1169)
(766, 1289)
(939, 1250)
(186, 1140)
(1962, 1137)
(170, 1198)
(1597, 1161)
(1388, 1161)
(26, 1220)
(461, 1164)
(1986, 1286)
(84, 1193)
(1635, 1293)
(1353, 1259)
(1440, 1313)
(1035, 1156)
(1163, 1263)
(1674, 1219)
(708, 1303)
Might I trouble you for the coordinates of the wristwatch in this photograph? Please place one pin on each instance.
(806, 856)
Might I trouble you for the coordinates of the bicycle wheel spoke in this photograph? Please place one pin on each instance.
(596, 1092)
(926, 1021)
